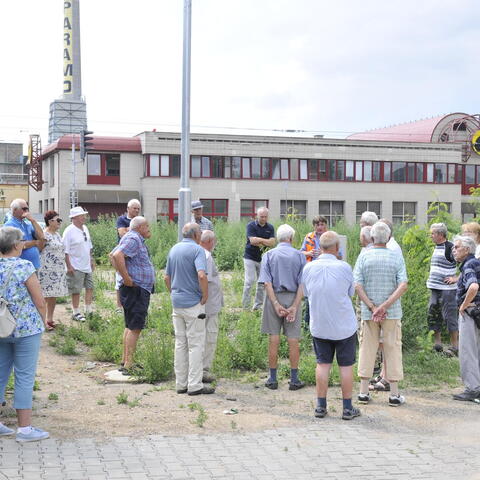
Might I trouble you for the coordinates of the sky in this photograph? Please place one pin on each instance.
(317, 67)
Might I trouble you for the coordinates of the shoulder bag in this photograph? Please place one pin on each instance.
(7, 321)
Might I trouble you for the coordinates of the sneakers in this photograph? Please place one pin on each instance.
(467, 396)
(35, 435)
(5, 430)
(208, 377)
(271, 385)
(396, 400)
(363, 398)
(296, 386)
(350, 413)
(78, 317)
(320, 412)
(203, 391)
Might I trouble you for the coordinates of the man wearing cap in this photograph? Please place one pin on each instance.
(33, 237)
(197, 216)
(79, 260)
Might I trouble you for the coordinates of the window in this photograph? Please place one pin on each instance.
(359, 171)
(245, 168)
(266, 168)
(51, 175)
(248, 208)
(398, 172)
(46, 205)
(404, 212)
(387, 172)
(322, 169)
(440, 173)
(293, 169)
(349, 170)
(154, 165)
(298, 208)
(256, 167)
(303, 169)
(470, 174)
(334, 211)
(451, 173)
(438, 207)
(217, 208)
(103, 168)
(167, 209)
(175, 165)
(375, 171)
(236, 167)
(284, 170)
(368, 206)
(52, 203)
(430, 172)
(164, 166)
(468, 212)
(419, 169)
(40, 206)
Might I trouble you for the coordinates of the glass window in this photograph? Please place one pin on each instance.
(265, 168)
(322, 169)
(52, 173)
(358, 171)
(469, 174)
(438, 206)
(376, 171)
(246, 167)
(368, 206)
(419, 168)
(349, 167)
(275, 169)
(333, 211)
(248, 208)
(293, 169)
(303, 169)
(217, 167)
(451, 173)
(340, 169)
(205, 166)
(468, 212)
(256, 167)
(313, 169)
(478, 174)
(196, 167)
(297, 208)
(284, 169)
(220, 206)
(331, 169)
(112, 165)
(430, 172)
(440, 173)
(164, 165)
(228, 167)
(387, 171)
(94, 164)
(236, 167)
(404, 212)
(175, 165)
(367, 171)
(411, 173)
(398, 174)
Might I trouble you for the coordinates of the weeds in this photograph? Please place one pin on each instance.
(202, 415)
(122, 398)
(53, 396)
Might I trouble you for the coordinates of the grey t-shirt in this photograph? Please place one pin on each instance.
(215, 295)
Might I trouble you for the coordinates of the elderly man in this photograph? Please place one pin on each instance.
(212, 307)
(123, 224)
(260, 234)
(392, 244)
(380, 280)
(198, 218)
(33, 237)
(368, 219)
(366, 238)
(468, 301)
(281, 273)
(187, 282)
(442, 306)
(80, 262)
(328, 282)
(132, 262)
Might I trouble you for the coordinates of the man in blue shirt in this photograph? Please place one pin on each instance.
(281, 273)
(132, 262)
(260, 234)
(187, 282)
(33, 237)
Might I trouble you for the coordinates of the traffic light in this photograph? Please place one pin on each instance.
(86, 143)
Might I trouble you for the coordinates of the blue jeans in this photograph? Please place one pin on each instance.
(21, 354)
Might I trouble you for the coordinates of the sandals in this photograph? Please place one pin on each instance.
(50, 326)
(451, 352)
(381, 386)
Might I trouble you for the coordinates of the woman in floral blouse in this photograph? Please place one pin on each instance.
(52, 273)
(20, 287)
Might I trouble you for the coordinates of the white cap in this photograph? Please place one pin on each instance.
(76, 211)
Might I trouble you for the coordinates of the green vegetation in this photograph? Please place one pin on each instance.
(202, 415)
(53, 396)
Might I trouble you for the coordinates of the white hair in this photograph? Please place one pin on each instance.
(189, 230)
(137, 222)
(16, 204)
(261, 209)
(133, 202)
(467, 242)
(9, 237)
(369, 218)
(439, 228)
(366, 233)
(207, 235)
(285, 233)
(380, 233)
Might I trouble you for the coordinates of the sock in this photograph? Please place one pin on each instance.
(76, 310)
(364, 386)
(347, 404)
(88, 308)
(393, 389)
(294, 375)
(273, 375)
(322, 402)
(24, 430)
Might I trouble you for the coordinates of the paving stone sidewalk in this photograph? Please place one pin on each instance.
(329, 449)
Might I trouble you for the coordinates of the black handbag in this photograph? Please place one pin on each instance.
(474, 313)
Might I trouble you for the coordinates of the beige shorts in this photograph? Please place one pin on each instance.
(78, 281)
(273, 324)
(392, 348)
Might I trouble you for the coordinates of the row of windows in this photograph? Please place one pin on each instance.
(334, 211)
(311, 169)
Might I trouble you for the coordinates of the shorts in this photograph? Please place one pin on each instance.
(273, 324)
(345, 350)
(78, 281)
(135, 301)
(442, 307)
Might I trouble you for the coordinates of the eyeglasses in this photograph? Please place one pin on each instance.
(25, 209)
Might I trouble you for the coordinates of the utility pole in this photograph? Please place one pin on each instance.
(185, 193)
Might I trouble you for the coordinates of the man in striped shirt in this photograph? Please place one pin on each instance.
(442, 306)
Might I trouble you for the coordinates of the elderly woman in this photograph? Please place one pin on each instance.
(52, 273)
(472, 229)
(20, 287)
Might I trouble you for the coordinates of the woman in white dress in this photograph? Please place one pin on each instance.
(52, 273)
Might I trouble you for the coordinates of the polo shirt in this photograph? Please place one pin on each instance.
(469, 273)
(123, 222)
(215, 295)
(31, 254)
(184, 261)
(78, 245)
(254, 229)
(442, 265)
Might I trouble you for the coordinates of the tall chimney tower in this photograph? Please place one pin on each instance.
(69, 113)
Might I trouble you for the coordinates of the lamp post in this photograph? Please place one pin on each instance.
(185, 193)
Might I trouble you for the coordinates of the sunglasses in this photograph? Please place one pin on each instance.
(59, 220)
(84, 236)
(25, 209)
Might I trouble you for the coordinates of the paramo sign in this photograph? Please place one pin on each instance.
(67, 48)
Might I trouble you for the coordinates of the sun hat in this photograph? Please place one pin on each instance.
(76, 211)
(197, 204)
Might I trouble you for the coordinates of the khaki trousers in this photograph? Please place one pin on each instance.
(211, 334)
(392, 348)
(189, 345)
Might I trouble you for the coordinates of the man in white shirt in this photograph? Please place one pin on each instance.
(79, 260)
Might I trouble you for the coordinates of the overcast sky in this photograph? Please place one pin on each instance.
(324, 67)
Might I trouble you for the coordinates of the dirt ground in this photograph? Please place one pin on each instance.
(87, 406)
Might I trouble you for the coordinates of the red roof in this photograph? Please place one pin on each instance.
(100, 144)
(416, 131)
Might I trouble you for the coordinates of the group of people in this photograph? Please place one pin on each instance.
(37, 266)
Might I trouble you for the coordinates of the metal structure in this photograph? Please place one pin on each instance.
(464, 131)
(35, 163)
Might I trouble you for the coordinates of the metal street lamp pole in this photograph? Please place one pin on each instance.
(185, 194)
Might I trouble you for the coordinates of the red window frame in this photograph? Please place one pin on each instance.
(103, 178)
(171, 215)
(211, 212)
(253, 207)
